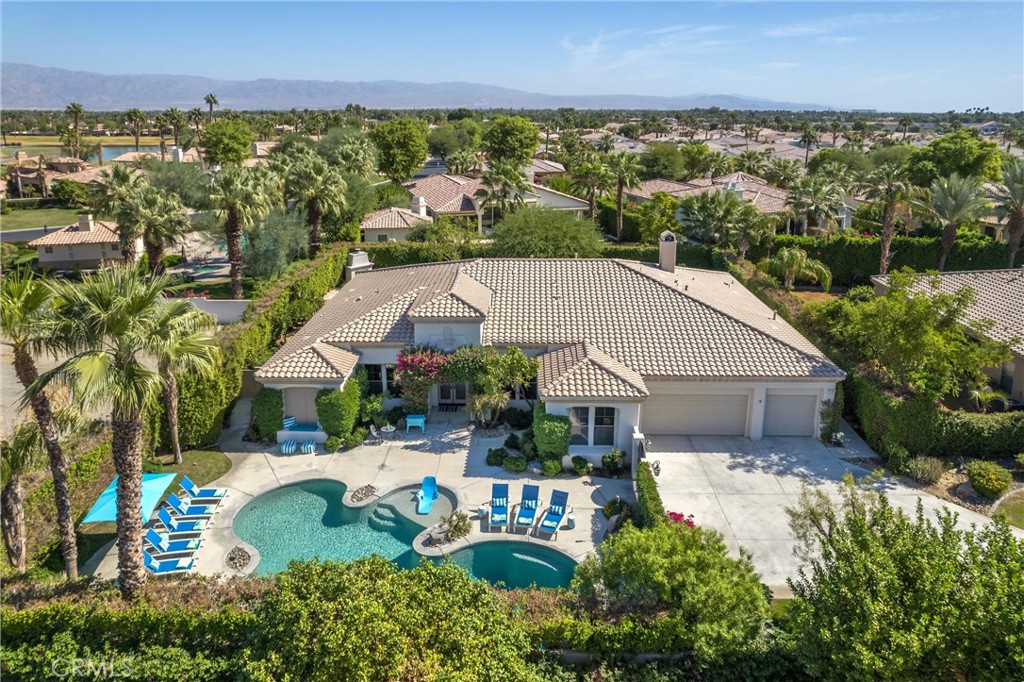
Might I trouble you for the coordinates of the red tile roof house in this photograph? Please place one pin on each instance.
(456, 195)
(394, 223)
(626, 349)
(84, 245)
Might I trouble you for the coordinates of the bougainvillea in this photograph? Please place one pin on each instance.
(418, 369)
(677, 517)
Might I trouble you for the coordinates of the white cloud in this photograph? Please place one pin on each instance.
(821, 27)
(655, 55)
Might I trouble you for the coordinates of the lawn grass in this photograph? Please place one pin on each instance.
(1013, 509)
(54, 140)
(37, 217)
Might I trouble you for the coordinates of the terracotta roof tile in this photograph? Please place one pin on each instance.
(101, 233)
(584, 370)
(447, 193)
(392, 218)
(319, 361)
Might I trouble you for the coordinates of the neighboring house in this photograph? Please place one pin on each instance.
(625, 349)
(456, 196)
(83, 245)
(998, 297)
(394, 224)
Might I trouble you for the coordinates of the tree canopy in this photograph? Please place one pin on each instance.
(227, 141)
(545, 233)
(511, 139)
(961, 152)
(402, 147)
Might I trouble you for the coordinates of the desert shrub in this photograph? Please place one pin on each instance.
(926, 470)
(551, 467)
(512, 442)
(550, 433)
(989, 479)
(517, 418)
(338, 411)
(580, 465)
(496, 457)
(357, 437)
(860, 294)
(372, 410)
(457, 525)
(268, 413)
(515, 465)
(616, 506)
(650, 510)
(528, 448)
(332, 444)
(611, 462)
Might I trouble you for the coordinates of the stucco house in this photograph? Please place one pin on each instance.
(394, 223)
(999, 298)
(85, 245)
(625, 349)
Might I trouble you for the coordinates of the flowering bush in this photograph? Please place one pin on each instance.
(418, 369)
(677, 517)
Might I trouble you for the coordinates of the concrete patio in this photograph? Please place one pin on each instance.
(449, 451)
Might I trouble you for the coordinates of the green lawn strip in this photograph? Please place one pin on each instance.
(37, 217)
(1013, 509)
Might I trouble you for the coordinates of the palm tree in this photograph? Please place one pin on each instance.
(109, 325)
(904, 124)
(211, 101)
(591, 177)
(982, 395)
(809, 136)
(158, 216)
(953, 202)
(161, 128)
(22, 453)
(606, 143)
(182, 343)
(241, 196)
(817, 197)
(135, 119)
(624, 170)
(751, 162)
(783, 172)
(888, 186)
(835, 127)
(502, 186)
(177, 120)
(76, 111)
(717, 164)
(791, 264)
(195, 117)
(839, 173)
(321, 189)
(1009, 205)
(24, 308)
(117, 184)
(710, 216)
(751, 227)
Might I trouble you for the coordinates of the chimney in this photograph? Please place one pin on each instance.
(85, 223)
(177, 154)
(358, 262)
(667, 251)
(419, 206)
(737, 189)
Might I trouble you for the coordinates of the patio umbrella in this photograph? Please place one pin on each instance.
(153, 487)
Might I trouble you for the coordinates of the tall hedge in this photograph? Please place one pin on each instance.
(268, 413)
(338, 411)
(550, 433)
(649, 507)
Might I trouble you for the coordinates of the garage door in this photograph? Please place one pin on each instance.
(789, 415)
(696, 415)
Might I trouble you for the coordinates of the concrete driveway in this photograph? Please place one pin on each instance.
(741, 488)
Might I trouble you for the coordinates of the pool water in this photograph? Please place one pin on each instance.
(308, 520)
(207, 268)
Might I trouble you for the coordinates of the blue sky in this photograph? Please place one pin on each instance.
(920, 56)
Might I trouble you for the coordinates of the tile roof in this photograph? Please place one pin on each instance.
(998, 297)
(583, 369)
(468, 299)
(756, 190)
(648, 188)
(101, 233)
(320, 361)
(446, 193)
(544, 166)
(688, 324)
(391, 219)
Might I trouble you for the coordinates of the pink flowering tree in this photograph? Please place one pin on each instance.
(419, 368)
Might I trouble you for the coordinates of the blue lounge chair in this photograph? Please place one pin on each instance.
(175, 526)
(527, 513)
(190, 510)
(555, 513)
(426, 495)
(499, 504)
(198, 494)
(288, 447)
(167, 566)
(164, 545)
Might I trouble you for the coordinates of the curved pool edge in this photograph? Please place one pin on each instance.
(479, 538)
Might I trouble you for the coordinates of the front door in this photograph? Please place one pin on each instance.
(451, 394)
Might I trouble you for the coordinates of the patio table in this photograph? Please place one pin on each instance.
(419, 420)
(388, 431)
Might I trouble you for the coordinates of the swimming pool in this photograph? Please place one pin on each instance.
(308, 520)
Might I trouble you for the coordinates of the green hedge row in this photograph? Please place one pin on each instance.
(286, 305)
(338, 411)
(853, 260)
(550, 434)
(605, 218)
(268, 413)
(649, 507)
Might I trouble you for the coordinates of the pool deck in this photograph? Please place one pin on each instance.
(449, 450)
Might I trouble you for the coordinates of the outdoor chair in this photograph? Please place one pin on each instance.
(198, 494)
(555, 514)
(499, 505)
(164, 545)
(526, 515)
(174, 526)
(375, 436)
(189, 510)
(167, 566)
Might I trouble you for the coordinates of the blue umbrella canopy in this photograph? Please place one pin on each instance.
(153, 488)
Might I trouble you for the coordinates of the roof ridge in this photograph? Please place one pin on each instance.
(599, 361)
(572, 368)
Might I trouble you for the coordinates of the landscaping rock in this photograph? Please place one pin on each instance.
(238, 558)
(363, 493)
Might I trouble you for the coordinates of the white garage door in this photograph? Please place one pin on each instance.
(789, 415)
(695, 415)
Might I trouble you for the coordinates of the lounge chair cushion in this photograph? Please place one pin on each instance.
(557, 510)
(499, 502)
(529, 504)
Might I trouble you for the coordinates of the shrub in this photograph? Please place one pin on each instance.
(927, 470)
(616, 506)
(496, 457)
(268, 413)
(515, 465)
(338, 411)
(611, 462)
(650, 510)
(528, 448)
(580, 465)
(831, 413)
(518, 419)
(551, 467)
(356, 437)
(395, 414)
(989, 479)
(457, 525)
(372, 410)
(512, 442)
(172, 259)
(332, 444)
(550, 433)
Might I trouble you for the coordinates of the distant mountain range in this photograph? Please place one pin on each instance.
(35, 87)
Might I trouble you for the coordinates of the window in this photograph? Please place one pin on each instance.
(579, 419)
(604, 426)
(374, 379)
(382, 237)
(391, 385)
(48, 249)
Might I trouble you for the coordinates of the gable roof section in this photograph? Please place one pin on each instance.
(446, 193)
(101, 233)
(468, 299)
(584, 370)
(391, 219)
(320, 361)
